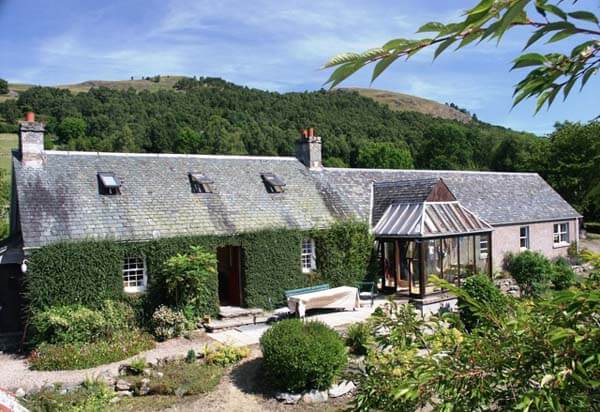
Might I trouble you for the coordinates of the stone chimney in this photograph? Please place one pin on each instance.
(31, 142)
(308, 149)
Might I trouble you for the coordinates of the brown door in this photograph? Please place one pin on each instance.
(230, 275)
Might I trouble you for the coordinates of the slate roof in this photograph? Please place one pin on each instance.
(498, 198)
(61, 201)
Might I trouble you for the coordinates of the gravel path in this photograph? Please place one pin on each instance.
(591, 244)
(14, 372)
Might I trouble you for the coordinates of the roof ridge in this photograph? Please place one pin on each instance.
(168, 155)
(333, 169)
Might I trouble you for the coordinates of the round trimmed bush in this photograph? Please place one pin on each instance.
(303, 355)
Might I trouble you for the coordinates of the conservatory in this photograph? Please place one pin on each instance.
(427, 236)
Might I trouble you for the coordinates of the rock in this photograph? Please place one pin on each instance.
(20, 393)
(315, 396)
(106, 378)
(181, 392)
(115, 399)
(48, 386)
(159, 374)
(125, 394)
(341, 389)
(147, 372)
(288, 398)
(124, 369)
(63, 391)
(122, 385)
(144, 387)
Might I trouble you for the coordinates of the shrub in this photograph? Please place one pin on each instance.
(167, 323)
(191, 356)
(592, 227)
(299, 355)
(87, 355)
(137, 366)
(91, 396)
(532, 271)
(79, 324)
(484, 294)
(563, 276)
(359, 338)
(190, 281)
(225, 355)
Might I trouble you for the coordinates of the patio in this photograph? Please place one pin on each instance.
(250, 334)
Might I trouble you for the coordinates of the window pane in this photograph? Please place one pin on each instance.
(450, 259)
(483, 255)
(467, 260)
(433, 263)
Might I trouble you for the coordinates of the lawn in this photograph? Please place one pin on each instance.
(7, 143)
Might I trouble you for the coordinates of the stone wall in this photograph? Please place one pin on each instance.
(506, 239)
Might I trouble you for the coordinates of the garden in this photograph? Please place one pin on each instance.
(537, 351)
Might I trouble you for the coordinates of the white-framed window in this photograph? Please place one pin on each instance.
(484, 247)
(308, 257)
(524, 237)
(561, 234)
(134, 274)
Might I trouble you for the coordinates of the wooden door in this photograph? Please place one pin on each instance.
(230, 275)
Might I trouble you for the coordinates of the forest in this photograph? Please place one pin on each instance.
(211, 115)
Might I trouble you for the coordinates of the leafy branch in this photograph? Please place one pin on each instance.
(490, 20)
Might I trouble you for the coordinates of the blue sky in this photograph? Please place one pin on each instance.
(274, 45)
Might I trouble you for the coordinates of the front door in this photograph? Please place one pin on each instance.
(230, 275)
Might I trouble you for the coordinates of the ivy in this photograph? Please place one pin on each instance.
(89, 272)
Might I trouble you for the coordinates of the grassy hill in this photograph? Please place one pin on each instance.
(395, 101)
(406, 103)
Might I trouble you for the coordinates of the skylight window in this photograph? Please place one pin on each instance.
(109, 184)
(200, 183)
(273, 183)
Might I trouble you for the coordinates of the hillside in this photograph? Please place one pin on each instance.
(395, 101)
(406, 103)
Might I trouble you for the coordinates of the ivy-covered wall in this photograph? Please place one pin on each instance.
(89, 272)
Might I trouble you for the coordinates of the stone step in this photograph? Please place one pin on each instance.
(224, 324)
(231, 312)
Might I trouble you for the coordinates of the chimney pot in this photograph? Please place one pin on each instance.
(311, 132)
(305, 133)
(30, 117)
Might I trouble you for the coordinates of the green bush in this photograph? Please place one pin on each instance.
(563, 277)
(485, 295)
(168, 323)
(532, 271)
(225, 355)
(592, 227)
(344, 253)
(92, 396)
(190, 281)
(358, 337)
(66, 356)
(79, 324)
(137, 366)
(303, 355)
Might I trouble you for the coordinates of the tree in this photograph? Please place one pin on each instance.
(448, 147)
(489, 20)
(3, 86)
(71, 128)
(376, 155)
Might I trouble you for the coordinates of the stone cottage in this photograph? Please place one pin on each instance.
(448, 223)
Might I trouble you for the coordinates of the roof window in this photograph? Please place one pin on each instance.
(109, 184)
(273, 183)
(200, 183)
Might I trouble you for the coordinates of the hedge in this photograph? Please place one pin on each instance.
(89, 272)
(592, 227)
